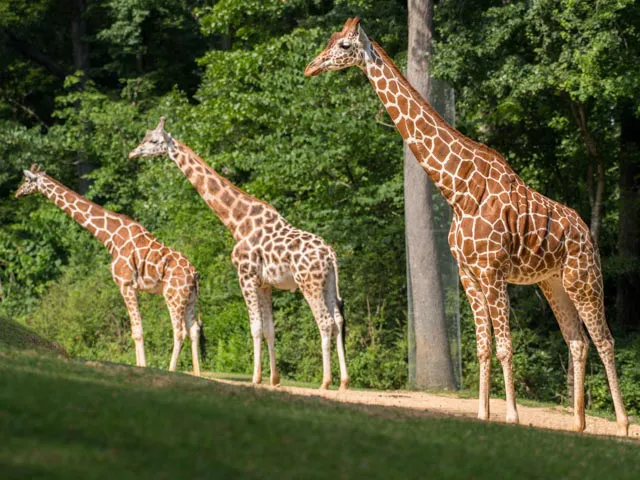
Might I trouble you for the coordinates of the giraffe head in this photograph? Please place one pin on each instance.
(345, 49)
(31, 182)
(156, 142)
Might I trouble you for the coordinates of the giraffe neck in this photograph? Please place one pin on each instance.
(231, 204)
(86, 213)
(452, 160)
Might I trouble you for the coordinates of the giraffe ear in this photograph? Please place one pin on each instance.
(167, 138)
(35, 168)
(30, 175)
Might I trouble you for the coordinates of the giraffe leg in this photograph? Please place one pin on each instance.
(584, 287)
(266, 310)
(575, 337)
(131, 301)
(251, 292)
(494, 288)
(325, 323)
(483, 340)
(333, 302)
(344, 375)
(179, 332)
(177, 300)
(193, 327)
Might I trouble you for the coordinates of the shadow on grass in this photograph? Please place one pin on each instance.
(14, 335)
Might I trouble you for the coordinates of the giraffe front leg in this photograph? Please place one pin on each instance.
(131, 302)
(494, 288)
(483, 340)
(266, 311)
(251, 292)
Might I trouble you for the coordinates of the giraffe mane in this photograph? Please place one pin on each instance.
(230, 184)
(466, 141)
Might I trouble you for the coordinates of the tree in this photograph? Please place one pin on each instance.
(433, 367)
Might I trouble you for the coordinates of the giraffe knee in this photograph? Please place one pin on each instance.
(503, 353)
(483, 352)
(137, 335)
(256, 329)
(179, 335)
(579, 349)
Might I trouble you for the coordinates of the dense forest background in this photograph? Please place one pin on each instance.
(551, 84)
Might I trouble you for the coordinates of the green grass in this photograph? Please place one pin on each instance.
(68, 419)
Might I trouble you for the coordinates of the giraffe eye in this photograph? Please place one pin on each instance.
(346, 44)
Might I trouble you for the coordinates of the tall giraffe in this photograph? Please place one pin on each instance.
(140, 263)
(502, 230)
(269, 252)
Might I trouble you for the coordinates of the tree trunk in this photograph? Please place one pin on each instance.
(628, 283)
(433, 367)
(80, 50)
(596, 193)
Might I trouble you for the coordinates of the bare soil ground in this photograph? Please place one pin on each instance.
(553, 418)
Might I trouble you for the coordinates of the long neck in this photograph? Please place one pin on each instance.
(457, 165)
(89, 215)
(232, 205)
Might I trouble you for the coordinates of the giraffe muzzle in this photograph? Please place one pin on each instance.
(314, 68)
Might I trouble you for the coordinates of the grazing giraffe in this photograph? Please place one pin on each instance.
(269, 252)
(502, 230)
(140, 262)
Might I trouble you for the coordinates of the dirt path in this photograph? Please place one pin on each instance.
(554, 418)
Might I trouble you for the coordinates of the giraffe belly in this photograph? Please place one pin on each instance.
(279, 276)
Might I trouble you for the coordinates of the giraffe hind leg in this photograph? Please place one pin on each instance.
(325, 322)
(194, 328)
(176, 301)
(575, 337)
(335, 305)
(584, 287)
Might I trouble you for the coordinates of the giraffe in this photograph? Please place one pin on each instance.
(268, 252)
(502, 230)
(140, 263)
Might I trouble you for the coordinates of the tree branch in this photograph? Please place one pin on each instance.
(32, 53)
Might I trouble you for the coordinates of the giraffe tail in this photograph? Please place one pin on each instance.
(202, 340)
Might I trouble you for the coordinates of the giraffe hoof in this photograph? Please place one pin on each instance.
(325, 386)
(579, 425)
(623, 429)
(275, 381)
(513, 419)
(344, 384)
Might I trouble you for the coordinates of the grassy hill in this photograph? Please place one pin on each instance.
(70, 419)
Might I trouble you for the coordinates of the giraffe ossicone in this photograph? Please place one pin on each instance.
(269, 252)
(139, 263)
(502, 230)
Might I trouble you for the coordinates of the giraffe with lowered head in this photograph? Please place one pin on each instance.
(140, 263)
(269, 252)
(502, 230)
